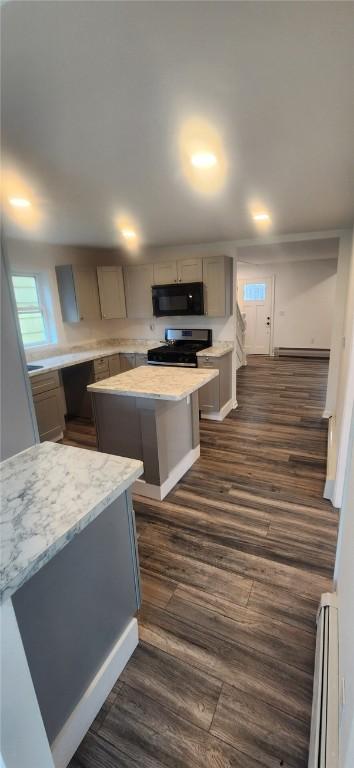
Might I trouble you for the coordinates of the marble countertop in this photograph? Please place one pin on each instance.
(49, 493)
(155, 382)
(219, 349)
(64, 360)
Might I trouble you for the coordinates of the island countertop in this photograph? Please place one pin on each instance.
(49, 493)
(156, 382)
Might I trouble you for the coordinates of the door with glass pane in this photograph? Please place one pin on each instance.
(255, 298)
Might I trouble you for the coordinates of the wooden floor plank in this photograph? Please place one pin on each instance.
(233, 563)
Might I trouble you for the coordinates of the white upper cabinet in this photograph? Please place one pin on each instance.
(138, 296)
(190, 270)
(111, 290)
(217, 278)
(165, 273)
(78, 293)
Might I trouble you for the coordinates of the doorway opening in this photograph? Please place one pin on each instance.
(255, 297)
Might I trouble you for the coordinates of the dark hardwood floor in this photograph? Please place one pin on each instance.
(233, 564)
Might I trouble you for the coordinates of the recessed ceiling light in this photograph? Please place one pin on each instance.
(204, 159)
(19, 202)
(263, 216)
(129, 234)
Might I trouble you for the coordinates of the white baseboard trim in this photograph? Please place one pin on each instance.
(326, 414)
(158, 492)
(72, 733)
(329, 488)
(219, 415)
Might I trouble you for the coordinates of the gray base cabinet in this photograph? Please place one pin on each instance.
(49, 405)
(218, 392)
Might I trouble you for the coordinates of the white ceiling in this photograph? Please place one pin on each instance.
(94, 93)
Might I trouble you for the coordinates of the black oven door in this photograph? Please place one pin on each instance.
(178, 299)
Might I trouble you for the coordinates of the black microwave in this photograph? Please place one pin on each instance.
(178, 299)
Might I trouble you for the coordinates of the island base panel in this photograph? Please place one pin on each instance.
(74, 611)
(164, 434)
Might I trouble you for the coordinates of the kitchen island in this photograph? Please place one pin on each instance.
(152, 414)
(69, 595)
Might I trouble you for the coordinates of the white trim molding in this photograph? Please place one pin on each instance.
(158, 492)
(219, 415)
(72, 733)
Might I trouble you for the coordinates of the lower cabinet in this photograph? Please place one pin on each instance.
(114, 364)
(49, 408)
(127, 361)
(140, 360)
(213, 396)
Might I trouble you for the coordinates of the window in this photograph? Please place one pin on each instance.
(31, 310)
(254, 292)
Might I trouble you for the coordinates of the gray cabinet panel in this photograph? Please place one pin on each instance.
(114, 365)
(50, 414)
(217, 278)
(190, 270)
(44, 382)
(165, 273)
(111, 290)
(140, 360)
(213, 396)
(127, 361)
(138, 281)
(78, 293)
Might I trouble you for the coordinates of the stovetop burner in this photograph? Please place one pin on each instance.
(182, 347)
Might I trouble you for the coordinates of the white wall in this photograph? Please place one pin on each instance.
(344, 578)
(304, 296)
(339, 320)
(25, 255)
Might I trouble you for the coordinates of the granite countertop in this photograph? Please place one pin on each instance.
(219, 349)
(49, 493)
(64, 360)
(156, 382)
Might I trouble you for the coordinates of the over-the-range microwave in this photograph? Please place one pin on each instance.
(178, 299)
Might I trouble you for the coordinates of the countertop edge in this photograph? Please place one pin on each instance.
(96, 389)
(91, 355)
(59, 544)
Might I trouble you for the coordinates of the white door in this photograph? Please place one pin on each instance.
(255, 298)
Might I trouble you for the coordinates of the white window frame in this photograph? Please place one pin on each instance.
(41, 307)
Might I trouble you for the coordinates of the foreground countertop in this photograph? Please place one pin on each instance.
(156, 382)
(49, 493)
(64, 360)
(219, 349)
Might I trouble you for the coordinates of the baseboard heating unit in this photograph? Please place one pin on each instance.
(324, 721)
(301, 352)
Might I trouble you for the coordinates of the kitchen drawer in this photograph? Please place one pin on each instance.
(44, 382)
(141, 360)
(206, 362)
(101, 365)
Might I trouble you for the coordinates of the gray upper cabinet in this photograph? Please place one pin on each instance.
(217, 278)
(138, 281)
(165, 273)
(190, 270)
(111, 291)
(78, 293)
(181, 271)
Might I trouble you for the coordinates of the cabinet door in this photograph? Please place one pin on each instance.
(209, 395)
(138, 281)
(111, 290)
(165, 273)
(114, 365)
(127, 361)
(140, 360)
(217, 286)
(190, 270)
(50, 414)
(86, 290)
